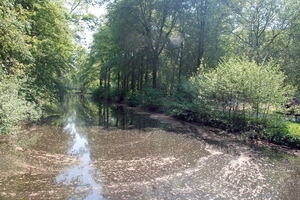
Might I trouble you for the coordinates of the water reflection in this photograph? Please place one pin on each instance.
(80, 176)
(109, 115)
(122, 155)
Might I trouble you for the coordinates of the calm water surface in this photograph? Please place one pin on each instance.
(102, 152)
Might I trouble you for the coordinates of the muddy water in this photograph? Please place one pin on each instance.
(101, 152)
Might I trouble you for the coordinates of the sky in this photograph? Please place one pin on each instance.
(97, 11)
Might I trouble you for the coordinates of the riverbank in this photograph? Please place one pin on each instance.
(212, 134)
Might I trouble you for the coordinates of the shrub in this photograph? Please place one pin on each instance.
(116, 94)
(241, 85)
(258, 87)
(13, 105)
(280, 131)
(133, 99)
(184, 104)
(293, 136)
(152, 99)
(98, 93)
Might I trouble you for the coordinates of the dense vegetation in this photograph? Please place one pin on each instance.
(229, 64)
(37, 58)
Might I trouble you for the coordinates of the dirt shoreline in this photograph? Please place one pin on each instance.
(211, 134)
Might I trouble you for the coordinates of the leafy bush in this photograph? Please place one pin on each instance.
(98, 93)
(242, 90)
(112, 94)
(293, 136)
(149, 98)
(242, 82)
(133, 99)
(152, 99)
(238, 96)
(116, 94)
(13, 105)
(281, 131)
(185, 104)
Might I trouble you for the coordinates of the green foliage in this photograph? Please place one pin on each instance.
(149, 98)
(293, 136)
(281, 131)
(113, 94)
(36, 43)
(98, 93)
(13, 105)
(294, 129)
(185, 104)
(239, 96)
(133, 99)
(256, 89)
(152, 99)
(52, 48)
(117, 95)
(276, 129)
(14, 50)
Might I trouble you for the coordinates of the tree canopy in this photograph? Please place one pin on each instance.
(160, 42)
(36, 56)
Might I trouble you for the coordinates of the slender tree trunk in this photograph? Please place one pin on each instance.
(141, 80)
(154, 71)
(108, 79)
(201, 20)
(127, 82)
(180, 62)
(132, 85)
(119, 79)
(146, 75)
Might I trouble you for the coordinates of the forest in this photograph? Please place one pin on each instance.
(229, 64)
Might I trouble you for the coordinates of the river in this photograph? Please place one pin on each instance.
(97, 151)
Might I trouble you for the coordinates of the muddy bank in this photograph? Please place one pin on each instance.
(212, 135)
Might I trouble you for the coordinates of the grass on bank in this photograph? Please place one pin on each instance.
(293, 129)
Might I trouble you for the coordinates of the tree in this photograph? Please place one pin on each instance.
(14, 50)
(255, 88)
(149, 22)
(143, 35)
(258, 25)
(287, 48)
(52, 48)
(137, 44)
(80, 18)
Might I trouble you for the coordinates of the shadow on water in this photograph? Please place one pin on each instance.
(89, 113)
(102, 151)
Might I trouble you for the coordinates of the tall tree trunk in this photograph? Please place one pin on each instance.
(108, 79)
(180, 62)
(146, 75)
(154, 71)
(141, 79)
(201, 25)
(132, 86)
(119, 79)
